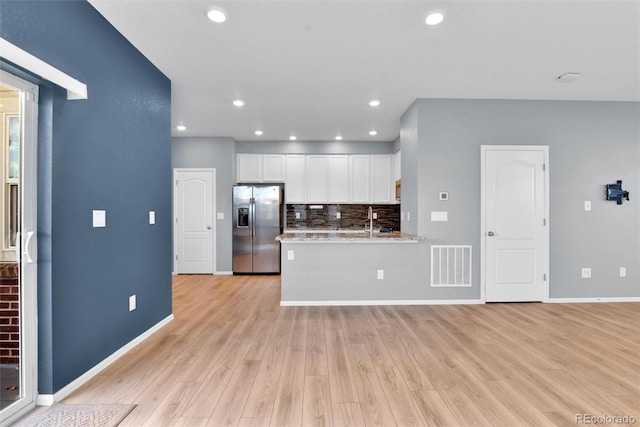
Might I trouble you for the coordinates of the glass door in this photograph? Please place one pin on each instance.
(18, 329)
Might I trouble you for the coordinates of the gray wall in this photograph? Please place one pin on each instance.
(590, 144)
(218, 153)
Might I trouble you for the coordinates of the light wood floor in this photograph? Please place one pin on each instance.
(233, 356)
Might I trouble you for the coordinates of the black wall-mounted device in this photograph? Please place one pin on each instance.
(616, 193)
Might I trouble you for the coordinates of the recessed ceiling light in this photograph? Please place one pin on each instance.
(258, 132)
(338, 138)
(373, 132)
(217, 15)
(374, 103)
(181, 128)
(434, 18)
(238, 103)
(293, 138)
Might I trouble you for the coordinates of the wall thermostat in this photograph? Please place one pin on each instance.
(444, 195)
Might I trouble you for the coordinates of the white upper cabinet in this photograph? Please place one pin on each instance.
(360, 178)
(356, 178)
(338, 179)
(249, 168)
(316, 179)
(294, 184)
(273, 168)
(382, 179)
(261, 168)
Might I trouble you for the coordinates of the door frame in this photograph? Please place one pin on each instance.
(483, 232)
(28, 269)
(214, 226)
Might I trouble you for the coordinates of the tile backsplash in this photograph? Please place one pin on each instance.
(352, 216)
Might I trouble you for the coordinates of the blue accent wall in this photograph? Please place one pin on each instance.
(112, 152)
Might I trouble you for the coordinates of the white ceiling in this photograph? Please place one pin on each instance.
(309, 68)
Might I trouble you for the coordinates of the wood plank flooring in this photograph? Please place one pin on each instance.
(234, 357)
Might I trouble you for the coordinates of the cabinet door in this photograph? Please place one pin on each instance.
(382, 179)
(338, 178)
(249, 168)
(273, 168)
(317, 179)
(295, 179)
(360, 178)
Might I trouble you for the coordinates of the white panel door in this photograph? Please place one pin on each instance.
(316, 179)
(194, 221)
(294, 185)
(338, 171)
(514, 230)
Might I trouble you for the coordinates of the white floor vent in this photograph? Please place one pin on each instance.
(450, 266)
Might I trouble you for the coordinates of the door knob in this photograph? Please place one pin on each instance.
(208, 227)
(491, 234)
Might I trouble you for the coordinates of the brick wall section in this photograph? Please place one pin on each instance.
(9, 314)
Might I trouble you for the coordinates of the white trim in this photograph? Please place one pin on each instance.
(75, 89)
(50, 399)
(483, 231)
(382, 302)
(592, 300)
(223, 273)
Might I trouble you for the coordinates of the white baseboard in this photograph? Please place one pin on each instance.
(50, 399)
(223, 273)
(382, 302)
(592, 300)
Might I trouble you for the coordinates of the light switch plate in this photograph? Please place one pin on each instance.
(380, 274)
(220, 215)
(290, 255)
(623, 271)
(587, 205)
(99, 218)
(338, 215)
(152, 217)
(132, 302)
(439, 216)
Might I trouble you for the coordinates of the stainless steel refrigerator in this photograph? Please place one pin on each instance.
(257, 221)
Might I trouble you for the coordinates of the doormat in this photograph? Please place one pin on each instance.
(71, 415)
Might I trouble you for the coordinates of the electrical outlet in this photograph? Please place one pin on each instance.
(297, 215)
(132, 302)
(586, 273)
(587, 205)
(623, 271)
(375, 215)
(152, 217)
(338, 216)
(408, 216)
(290, 255)
(380, 274)
(401, 216)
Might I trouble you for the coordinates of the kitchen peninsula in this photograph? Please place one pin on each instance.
(353, 268)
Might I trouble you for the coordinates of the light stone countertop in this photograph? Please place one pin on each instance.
(347, 237)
